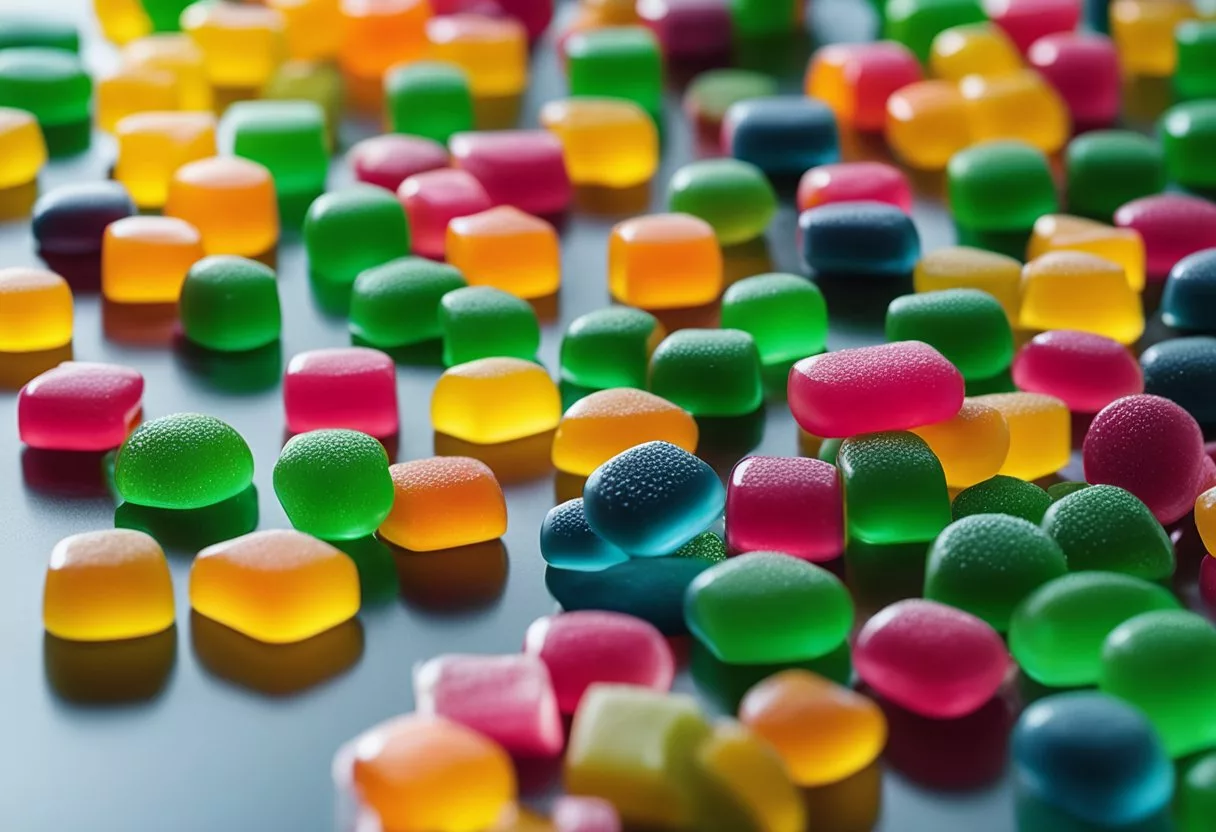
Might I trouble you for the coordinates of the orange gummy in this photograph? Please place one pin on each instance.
(443, 502)
(379, 34)
(972, 446)
(231, 201)
(664, 261)
(145, 259)
(507, 249)
(602, 424)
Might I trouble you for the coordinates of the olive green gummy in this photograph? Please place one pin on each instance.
(186, 460)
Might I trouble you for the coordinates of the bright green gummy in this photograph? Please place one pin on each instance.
(287, 137)
(1057, 632)
(484, 322)
(987, 563)
(1000, 186)
(1188, 134)
(734, 197)
(49, 83)
(758, 18)
(1195, 804)
(1105, 527)
(187, 460)
(334, 484)
(1060, 490)
(766, 607)
(428, 98)
(915, 23)
(230, 304)
(353, 229)
(708, 372)
(165, 14)
(713, 92)
(1002, 495)
(1109, 168)
(894, 487)
(705, 546)
(785, 314)
(617, 62)
(829, 450)
(968, 326)
(29, 30)
(610, 347)
(1164, 663)
(398, 303)
(1195, 75)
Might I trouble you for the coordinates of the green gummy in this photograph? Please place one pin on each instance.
(1195, 74)
(165, 15)
(1164, 663)
(1105, 527)
(52, 84)
(728, 683)
(733, 196)
(759, 18)
(712, 92)
(230, 304)
(1108, 168)
(1002, 495)
(397, 303)
(915, 23)
(189, 530)
(610, 347)
(617, 62)
(987, 563)
(353, 229)
(829, 450)
(1060, 490)
(428, 98)
(334, 484)
(1195, 801)
(30, 30)
(318, 83)
(484, 322)
(187, 460)
(894, 487)
(705, 546)
(708, 372)
(1057, 632)
(785, 314)
(288, 138)
(767, 607)
(1001, 185)
(1188, 134)
(968, 326)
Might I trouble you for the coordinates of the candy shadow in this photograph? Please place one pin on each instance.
(64, 140)
(520, 460)
(1144, 100)
(567, 486)
(1010, 243)
(247, 371)
(81, 271)
(603, 201)
(572, 393)
(648, 588)
(109, 672)
(499, 112)
(727, 684)
(723, 439)
(744, 260)
(850, 805)
(275, 670)
(1033, 815)
(139, 324)
(17, 202)
(858, 304)
(708, 316)
(377, 570)
(332, 298)
(189, 530)
(1002, 382)
(881, 574)
(18, 368)
(65, 473)
(452, 581)
(423, 354)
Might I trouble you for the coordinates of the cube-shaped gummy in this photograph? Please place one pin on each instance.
(972, 446)
(961, 267)
(151, 148)
(353, 229)
(133, 90)
(1000, 186)
(341, 387)
(708, 372)
(1063, 232)
(493, 51)
(1187, 132)
(785, 314)
(927, 124)
(35, 310)
(242, 45)
(287, 137)
(605, 141)
(443, 502)
(856, 79)
(50, 83)
(484, 322)
(523, 168)
(732, 196)
(1020, 106)
(1084, 69)
(145, 259)
(1195, 76)
(231, 201)
(854, 181)
(433, 199)
(493, 400)
(230, 304)
(915, 23)
(894, 488)
(21, 146)
(973, 49)
(398, 303)
(390, 159)
(617, 62)
(792, 505)
(601, 425)
(781, 135)
(1106, 169)
(179, 56)
(865, 238)
(428, 99)
(1075, 290)
(379, 34)
(610, 347)
(1143, 31)
(80, 406)
(506, 249)
(1040, 438)
(967, 326)
(663, 261)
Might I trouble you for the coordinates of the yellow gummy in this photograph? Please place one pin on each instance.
(1040, 433)
(1062, 232)
(746, 770)
(22, 148)
(927, 124)
(494, 400)
(444, 502)
(973, 49)
(603, 424)
(277, 586)
(1205, 518)
(231, 201)
(493, 52)
(1019, 105)
(664, 261)
(972, 446)
(1074, 290)
(312, 28)
(613, 12)
(122, 21)
(507, 249)
(1143, 32)
(961, 267)
(152, 146)
(145, 259)
(35, 310)
(605, 141)
(107, 585)
(131, 90)
(177, 55)
(241, 44)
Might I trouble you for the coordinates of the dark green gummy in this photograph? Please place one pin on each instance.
(968, 326)
(29, 30)
(187, 460)
(398, 303)
(1060, 490)
(1195, 75)
(428, 98)
(708, 372)
(895, 488)
(1108, 168)
(230, 304)
(334, 484)
(1105, 527)
(1188, 133)
(785, 314)
(52, 84)
(609, 347)
(733, 196)
(351, 230)
(484, 322)
(1002, 495)
(706, 546)
(1000, 186)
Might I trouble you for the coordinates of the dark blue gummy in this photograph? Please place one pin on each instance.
(783, 135)
(868, 238)
(1184, 371)
(72, 219)
(651, 589)
(567, 542)
(1189, 299)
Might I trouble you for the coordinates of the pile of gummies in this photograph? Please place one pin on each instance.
(937, 453)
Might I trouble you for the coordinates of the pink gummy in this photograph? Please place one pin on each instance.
(434, 198)
(1085, 371)
(785, 504)
(1207, 581)
(585, 814)
(583, 648)
(523, 168)
(1151, 447)
(854, 181)
(1025, 21)
(388, 160)
(80, 406)
(1173, 226)
(489, 8)
(535, 15)
(508, 698)
(689, 29)
(875, 70)
(930, 658)
(343, 387)
(1084, 69)
(895, 386)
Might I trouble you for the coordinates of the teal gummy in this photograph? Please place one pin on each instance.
(1000, 186)
(230, 304)
(1195, 75)
(915, 23)
(733, 196)
(288, 138)
(351, 230)
(1002, 495)
(18, 30)
(1106, 527)
(428, 98)
(785, 314)
(182, 461)
(617, 62)
(968, 326)
(397, 303)
(894, 488)
(52, 84)
(1106, 169)
(334, 484)
(567, 541)
(610, 347)
(708, 372)
(484, 322)
(1188, 133)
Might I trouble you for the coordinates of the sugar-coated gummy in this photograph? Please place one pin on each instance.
(967, 326)
(397, 303)
(80, 406)
(1106, 169)
(230, 304)
(1173, 226)
(1084, 370)
(390, 159)
(972, 446)
(428, 99)
(602, 424)
(894, 488)
(187, 460)
(568, 542)
(1105, 527)
(1183, 370)
(486, 322)
(1000, 185)
(444, 502)
(782, 135)
(341, 387)
(785, 504)
(733, 196)
(1002, 495)
(522, 168)
(72, 218)
(708, 372)
(353, 229)
(785, 314)
(711, 93)
(610, 347)
(859, 238)
(1190, 292)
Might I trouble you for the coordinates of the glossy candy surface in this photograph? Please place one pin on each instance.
(80, 406)
(428, 99)
(493, 51)
(664, 261)
(146, 259)
(603, 424)
(23, 147)
(1185, 302)
(493, 400)
(443, 502)
(785, 504)
(1062, 232)
(857, 79)
(971, 446)
(507, 249)
(390, 159)
(187, 460)
(1109, 168)
(732, 196)
(352, 229)
(1000, 185)
(287, 137)
(853, 181)
(231, 201)
(1054, 285)
(35, 310)
(341, 387)
(398, 303)
(334, 484)
(785, 314)
(962, 267)
(434, 198)
(927, 124)
(567, 541)
(605, 141)
(1173, 226)
(894, 488)
(522, 168)
(862, 238)
(967, 326)
(1083, 68)
(610, 347)
(1040, 433)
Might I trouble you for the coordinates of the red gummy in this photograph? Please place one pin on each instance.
(934, 660)
(508, 698)
(388, 160)
(344, 387)
(895, 386)
(1025, 21)
(1151, 447)
(874, 71)
(1085, 371)
(1084, 69)
(586, 647)
(854, 181)
(1173, 226)
(489, 8)
(1207, 581)
(523, 168)
(785, 504)
(80, 406)
(689, 30)
(433, 199)
(584, 814)
(535, 15)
